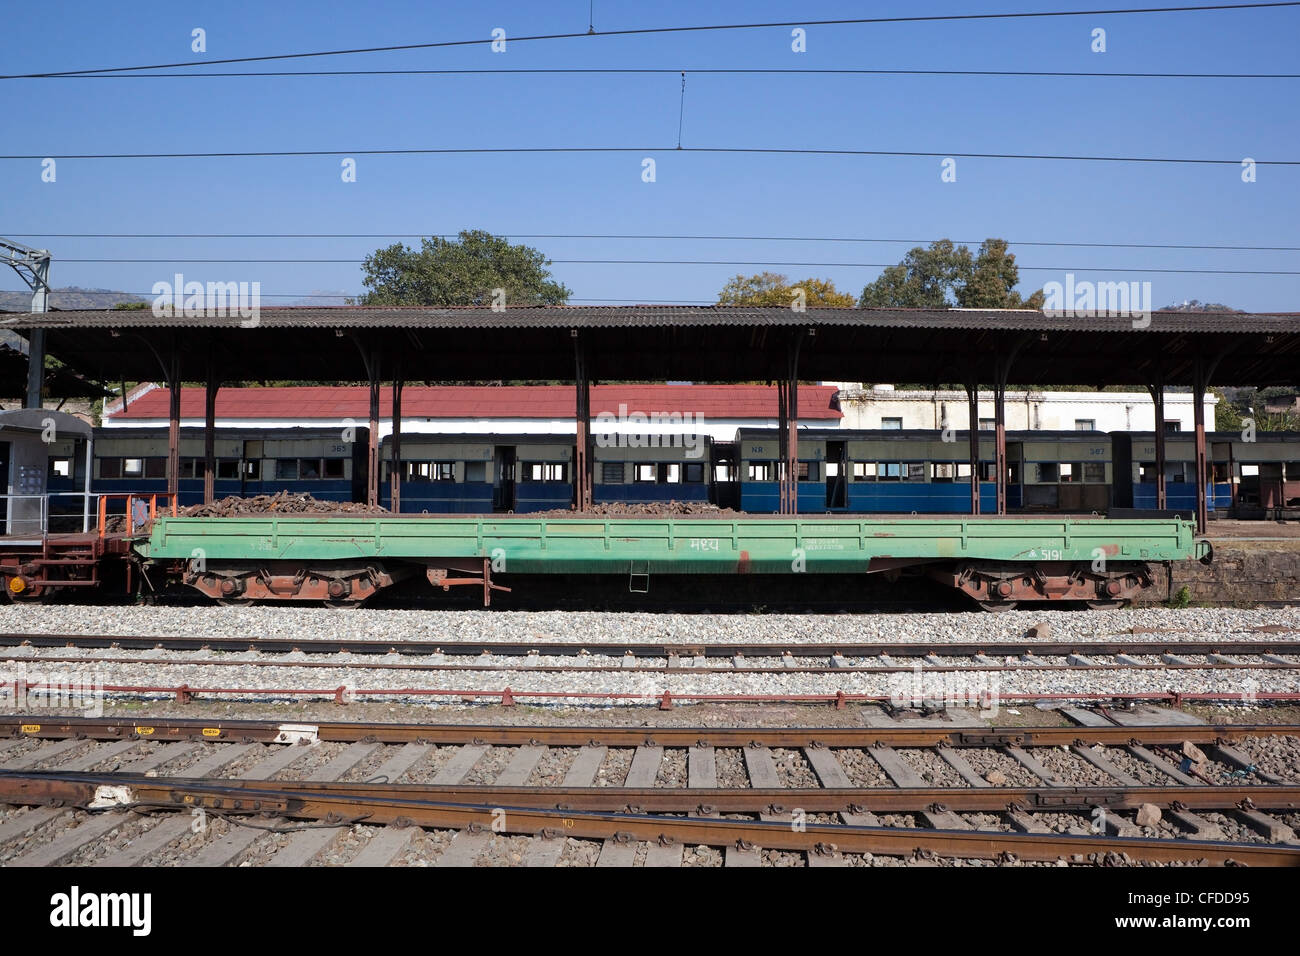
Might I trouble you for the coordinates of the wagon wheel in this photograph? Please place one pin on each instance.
(998, 606)
(235, 602)
(1107, 605)
(346, 605)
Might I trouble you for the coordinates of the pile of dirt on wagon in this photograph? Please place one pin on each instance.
(641, 509)
(281, 503)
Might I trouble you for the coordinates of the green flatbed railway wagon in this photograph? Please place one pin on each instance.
(344, 560)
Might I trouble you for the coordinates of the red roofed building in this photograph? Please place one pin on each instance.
(717, 410)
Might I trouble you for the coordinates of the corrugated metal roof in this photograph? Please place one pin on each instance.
(714, 402)
(414, 317)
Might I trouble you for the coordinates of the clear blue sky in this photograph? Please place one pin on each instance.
(870, 197)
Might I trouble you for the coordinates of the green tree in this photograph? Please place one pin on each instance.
(946, 274)
(461, 271)
(771, 288)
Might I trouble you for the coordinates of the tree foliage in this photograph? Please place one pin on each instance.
(947, 275)
(460, 271)
(771, 288)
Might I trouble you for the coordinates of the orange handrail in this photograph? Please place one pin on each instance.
(130, 498)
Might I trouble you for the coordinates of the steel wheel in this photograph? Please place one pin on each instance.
(346, 605)
(1106, 605)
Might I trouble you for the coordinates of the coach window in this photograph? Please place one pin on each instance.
(670, 473)
(546, 471)
(1049, 472)
(807, 472)
(611, 472)
(187, 467)
(1094, 472)
(963, 471)
(333, 467)
(155, 467)
(286, 468)
(694, 472)
(309, 468)
(110, 467)
(230, 469)
(644, 473)
(132, 467)
(889, 471)
(760, 471)
(944, 471)
(1068, 471)
(444, 471)
(914, 471)
(476, 471)
(864, 471)
(60, 468)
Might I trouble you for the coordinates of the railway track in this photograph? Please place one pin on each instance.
(114, 792)
(878, 657)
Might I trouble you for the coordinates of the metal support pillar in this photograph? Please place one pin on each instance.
(210, 435)
(33, 267)
(973, 406)
(792, 436)
(582, 471)
(1157, 390)
(35, 369)
(372, 358)
(395, 440)
(174, 424)
(1000, 442)
(1202, 504)
(782, 443)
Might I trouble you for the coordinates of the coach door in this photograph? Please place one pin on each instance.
(4, 476)
(503, 483)
(836, 467)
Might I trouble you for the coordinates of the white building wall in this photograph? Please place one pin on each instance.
(1025, 411)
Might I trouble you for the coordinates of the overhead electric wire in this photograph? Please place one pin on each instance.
(693, 262)
(648, 31)
(747, 150)
(648, 236)
(737, 71)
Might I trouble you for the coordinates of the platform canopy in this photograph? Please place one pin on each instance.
(693, 343)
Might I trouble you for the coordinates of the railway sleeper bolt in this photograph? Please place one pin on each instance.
(825, 849)
(623, 837)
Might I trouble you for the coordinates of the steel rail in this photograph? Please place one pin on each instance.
(214, 729)
(931, 668)
(30, 784)
(626, 827)
(455, 647)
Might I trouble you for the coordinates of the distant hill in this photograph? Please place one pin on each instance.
(69, 297)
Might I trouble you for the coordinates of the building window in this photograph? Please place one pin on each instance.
(986, 424)
(1171, 427)
(1085, 424)
(611, 472)
(891, 424)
